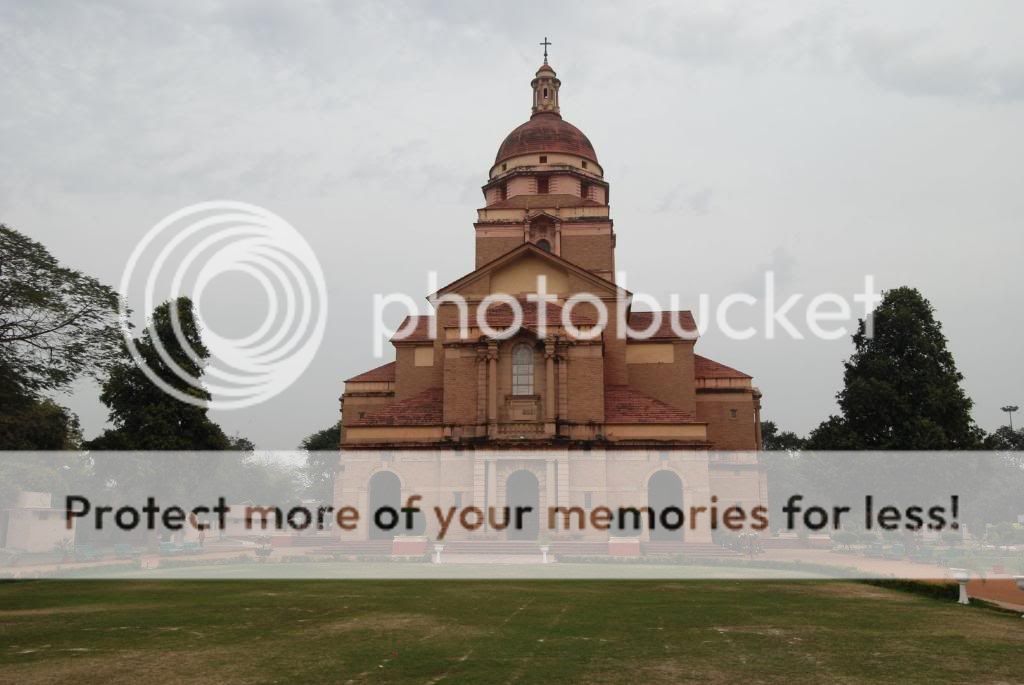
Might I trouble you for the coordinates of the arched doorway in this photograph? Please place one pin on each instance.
(523, 490)
(665, 492)
(385, 491)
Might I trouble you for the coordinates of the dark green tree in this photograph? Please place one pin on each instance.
(55, 323)
(30, 424)
(1005, 439)
(834, 433)
(57, 473)
(774, 439)
(901, 386)
(322, 454)
(145, 417)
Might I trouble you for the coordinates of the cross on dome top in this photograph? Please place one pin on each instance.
(545, 86)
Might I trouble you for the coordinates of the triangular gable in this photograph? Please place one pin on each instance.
(600, 287)
(535, 214)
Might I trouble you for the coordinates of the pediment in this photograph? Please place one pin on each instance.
(542, 215)
(516, 272)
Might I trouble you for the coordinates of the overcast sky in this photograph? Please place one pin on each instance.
(823, 140)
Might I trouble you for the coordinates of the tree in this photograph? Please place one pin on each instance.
(901, 385)
(774, 439)
(57, 473)
(55, 323)
(144, 416)
(1005, 439)
(147, 418)
(834, 433)
(322, 454)
(30, 424)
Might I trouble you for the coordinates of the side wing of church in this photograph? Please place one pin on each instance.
(547, 215)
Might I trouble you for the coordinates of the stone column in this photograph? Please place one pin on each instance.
(492, 389)
(563, 479)
(479, 482)
(492, 483)
(550, 490)
(365, 518)
(562, 360)
(481, 389)
(697, 492)
(550, 394)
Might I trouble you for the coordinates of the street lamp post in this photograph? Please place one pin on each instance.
(1020, 584)
(1009, 409)
(961, 576)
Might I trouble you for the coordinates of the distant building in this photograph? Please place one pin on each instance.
(33, 525)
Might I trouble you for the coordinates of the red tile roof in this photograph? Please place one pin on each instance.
(419, 331)
(544, 201)
(639, 321)
(424, 409)
(708, 368)
(623, 404)
(381, 374)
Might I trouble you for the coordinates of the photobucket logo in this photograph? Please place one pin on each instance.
(586, 316)
(188, 249)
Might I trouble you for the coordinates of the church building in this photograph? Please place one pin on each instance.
(547, 411)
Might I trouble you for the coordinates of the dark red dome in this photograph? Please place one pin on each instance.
(546, 132)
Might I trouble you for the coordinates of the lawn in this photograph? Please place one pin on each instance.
(497, 631)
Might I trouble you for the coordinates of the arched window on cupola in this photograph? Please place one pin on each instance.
(544, 245)
(522, 369)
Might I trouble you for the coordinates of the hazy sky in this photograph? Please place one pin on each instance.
(824, 140)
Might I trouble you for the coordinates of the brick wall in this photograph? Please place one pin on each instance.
(491, 247)
(356, 405)
(586, 384)
(725, 431)
(522, 185)
(671, 383)
(591, 252)
(460, 385)
(411, 379)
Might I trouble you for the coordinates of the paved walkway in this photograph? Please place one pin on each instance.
(492, 559)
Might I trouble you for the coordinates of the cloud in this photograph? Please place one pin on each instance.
(836, 41)
(680, 199)
(916, 64)
(781, 263)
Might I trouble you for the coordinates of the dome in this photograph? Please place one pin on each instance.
(546, 132)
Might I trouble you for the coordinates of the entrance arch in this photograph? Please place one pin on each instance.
(385, 490)
(523, 490)
(665, 490)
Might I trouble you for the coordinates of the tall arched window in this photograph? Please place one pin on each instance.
(544, 245)
(522, 369)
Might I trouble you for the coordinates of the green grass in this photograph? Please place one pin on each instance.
(147, 632)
